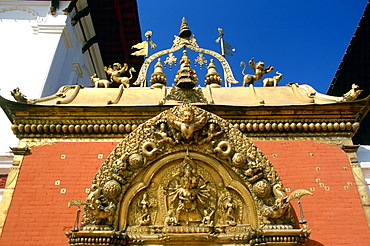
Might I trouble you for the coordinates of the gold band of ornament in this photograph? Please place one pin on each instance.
(244, 126)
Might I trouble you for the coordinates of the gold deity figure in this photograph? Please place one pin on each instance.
(210, 134)
(170, 220)
(116, 71)
(188, 196)
(162, 133)
(188, 123)
(145, 205)
(229, 211)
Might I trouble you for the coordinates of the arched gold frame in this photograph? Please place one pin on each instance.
(187, 44)
(224, 175)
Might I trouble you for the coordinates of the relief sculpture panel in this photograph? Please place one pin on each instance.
(187, 171)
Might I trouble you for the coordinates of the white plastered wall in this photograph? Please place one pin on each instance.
(363, 156)
(39, 53)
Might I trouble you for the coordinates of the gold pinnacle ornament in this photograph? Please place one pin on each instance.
(184, 29)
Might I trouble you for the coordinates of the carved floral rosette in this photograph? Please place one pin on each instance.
(186, 170)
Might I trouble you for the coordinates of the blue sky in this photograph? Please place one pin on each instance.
(304, 40)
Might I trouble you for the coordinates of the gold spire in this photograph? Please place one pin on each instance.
(186, 76)
(184, 29)
(212, 77)
(158, 78)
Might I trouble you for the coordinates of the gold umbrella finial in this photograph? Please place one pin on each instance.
(184, 29)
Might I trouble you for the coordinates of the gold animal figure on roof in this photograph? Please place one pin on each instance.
(259, 70)
(272, 81)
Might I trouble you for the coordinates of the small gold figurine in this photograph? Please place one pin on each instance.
(99, 82)
(116, 72)
(272, 81)
(259, 70)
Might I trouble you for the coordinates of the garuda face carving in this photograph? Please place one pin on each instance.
(187, 124)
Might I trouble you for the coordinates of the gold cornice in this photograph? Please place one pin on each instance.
(67, 121)
(20, 151)
(350, 148)
(288, 237)
(100, 128)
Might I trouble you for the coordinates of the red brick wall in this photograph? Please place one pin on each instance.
(334, 213)
(39, 213)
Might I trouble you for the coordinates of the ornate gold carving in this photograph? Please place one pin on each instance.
(193, 95)
(187, 194)
(170, 219)
(272, 81)
(18, 95)
(180, 42)
(186, 171)
(116, 72)
(212, 77)
(98, 82)
(115, 101)
(80, 127)
(150, 149)
(239, 160)
(186, 77)
(136, 160)
(190, 43)
(230, 209)
(112, 189)
(352, 94)
(144, 68)
(225, 65)
(200, 60)
(259, 70)
(145, 205)
(279, 206)
(224, 150)
(68, 100)
(187, 124)
(125, 80)
(262, 188)
(158, 78)
(209, 133)
(91, 128)
(170, 60)
(165, 137)
(96, 238)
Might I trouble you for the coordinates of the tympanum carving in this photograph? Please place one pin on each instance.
(186, 170)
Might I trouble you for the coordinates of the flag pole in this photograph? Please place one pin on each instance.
(221, 41)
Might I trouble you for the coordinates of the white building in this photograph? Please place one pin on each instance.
(38, 50)
(363, 155)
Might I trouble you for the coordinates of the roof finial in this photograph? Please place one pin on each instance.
(184, 29)
(186, 76)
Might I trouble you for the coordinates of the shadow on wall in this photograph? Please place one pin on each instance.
(309, 242)
(313, 243)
